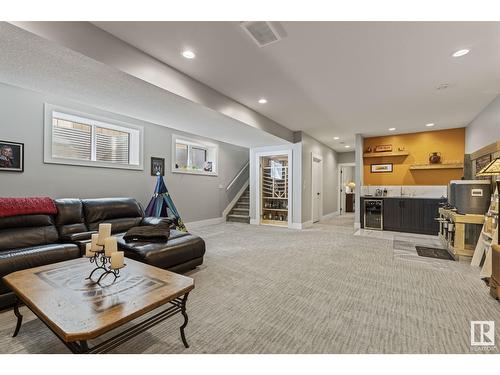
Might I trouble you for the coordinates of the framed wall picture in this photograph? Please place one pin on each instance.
(157, 165)
(11, 156)
(383, 148)
(381, 168)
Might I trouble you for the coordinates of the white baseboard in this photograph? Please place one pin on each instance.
(204, 223)
(307, 224)
(330, 215)
(231, 204)
(300, 226)
(304, 225)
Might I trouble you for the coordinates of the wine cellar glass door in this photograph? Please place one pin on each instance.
(274, 190)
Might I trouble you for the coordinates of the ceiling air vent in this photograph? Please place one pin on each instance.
(264, 33)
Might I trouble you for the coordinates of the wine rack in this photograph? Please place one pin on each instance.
(274, 193)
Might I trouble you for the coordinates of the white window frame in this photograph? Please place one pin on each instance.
(136, 138)
(211, 148)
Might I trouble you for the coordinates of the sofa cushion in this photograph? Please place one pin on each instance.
(29, 257)
(181, 247)
(110, 208)
(25, 221)
(119, 225)
(69, 219)
(122, 213)
(27, 230)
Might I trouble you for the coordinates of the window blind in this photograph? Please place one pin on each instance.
(71, 140)
(112, 146)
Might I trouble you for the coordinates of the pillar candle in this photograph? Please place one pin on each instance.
(88, 250)
(94, 245)
(110, 246)
(104, 232)
(117, 259)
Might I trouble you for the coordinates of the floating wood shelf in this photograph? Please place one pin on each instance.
(437, 166)
(385, 154)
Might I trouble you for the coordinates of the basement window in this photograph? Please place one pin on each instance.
(194, 156)
(82, 139)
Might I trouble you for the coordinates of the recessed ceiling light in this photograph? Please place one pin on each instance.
(188, 54)
(262, 101)
(392, 129)
(429, 124)
(336, 138)
(347, 146)
(461, 52)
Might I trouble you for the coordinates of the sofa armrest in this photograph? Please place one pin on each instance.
(76, 237)
(151, 220)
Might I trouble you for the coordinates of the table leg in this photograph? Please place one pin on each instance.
(84, 347)
(19, 317)
(184, 314)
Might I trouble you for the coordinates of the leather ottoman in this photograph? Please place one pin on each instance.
(182, 252)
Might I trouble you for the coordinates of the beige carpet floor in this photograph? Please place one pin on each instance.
(320, 290)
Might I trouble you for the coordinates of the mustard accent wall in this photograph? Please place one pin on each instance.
(450, 143)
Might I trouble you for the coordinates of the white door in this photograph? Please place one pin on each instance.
(316, 189)
(343, 182)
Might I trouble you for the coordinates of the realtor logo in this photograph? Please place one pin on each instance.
(482, 333)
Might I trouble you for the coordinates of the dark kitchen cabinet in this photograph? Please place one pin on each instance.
(431, 212)
(392, 214)
(413, 215)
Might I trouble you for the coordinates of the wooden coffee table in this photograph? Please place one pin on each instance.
(78, 310)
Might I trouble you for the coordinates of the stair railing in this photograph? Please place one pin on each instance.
(233, 181)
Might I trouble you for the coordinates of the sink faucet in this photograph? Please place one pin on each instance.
(401, 193)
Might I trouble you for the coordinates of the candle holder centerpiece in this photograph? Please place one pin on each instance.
(103, 252)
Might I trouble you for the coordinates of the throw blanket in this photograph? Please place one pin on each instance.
(27, 206)
(149, 233)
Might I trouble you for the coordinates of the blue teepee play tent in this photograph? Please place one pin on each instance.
(161, 205)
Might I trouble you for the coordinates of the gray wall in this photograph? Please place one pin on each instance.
(484, 129)
(196, 197)
(330, 176)
(346, 157)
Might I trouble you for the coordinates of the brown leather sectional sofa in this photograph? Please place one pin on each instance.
(28, 241)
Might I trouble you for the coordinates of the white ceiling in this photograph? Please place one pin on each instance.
(32, 62)
(338, 78)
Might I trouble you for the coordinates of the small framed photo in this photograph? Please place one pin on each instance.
(208, 166)
(157, 166)
(11, 156)
(383, 148)
(381, 168)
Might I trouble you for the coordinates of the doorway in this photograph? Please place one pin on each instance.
(346, 187)
(316, 188)
(274, 190)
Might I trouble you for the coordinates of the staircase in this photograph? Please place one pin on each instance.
(241, 210)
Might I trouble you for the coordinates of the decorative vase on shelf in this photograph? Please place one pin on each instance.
(368, 149)
(435, 158)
